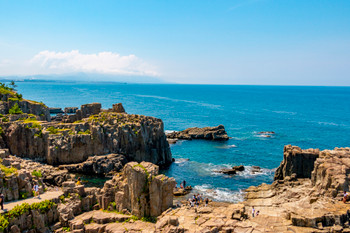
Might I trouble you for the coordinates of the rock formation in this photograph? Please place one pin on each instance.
(217, 133)
(139, 190)
(9, 99)
(298, 161)
(98, 165)
(138, 137)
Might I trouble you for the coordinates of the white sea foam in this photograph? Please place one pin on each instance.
(219, 194)
(213, 106)
(181, 160)
(226, 146)
(169, 131)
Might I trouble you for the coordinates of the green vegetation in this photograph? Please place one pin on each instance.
(86, 132)
(18, 210)
(5, 119)
(1, 130)
(6, 89)
(149, 219)
(66, 229)
(3, 222)
(79, 121)
(39, 134)
(23, 195)
(37, 173)
(52, 130)
(7, 170)
(15, 109)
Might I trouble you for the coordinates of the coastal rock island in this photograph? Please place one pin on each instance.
(217, 133)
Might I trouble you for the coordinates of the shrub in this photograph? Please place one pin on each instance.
(15, 109)
(3, 222)
(52, 130)
(1, 130)
(8, 170)
(5, 119)
(37, 173)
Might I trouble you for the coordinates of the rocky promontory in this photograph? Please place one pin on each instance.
(98, 132)
(217, 133)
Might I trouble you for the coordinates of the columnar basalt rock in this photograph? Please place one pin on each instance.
(217, 133)
(331, 172)
(139, 190)
(298, 161)
(98, 165)
(138, 137)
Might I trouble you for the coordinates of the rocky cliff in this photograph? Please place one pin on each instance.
(139, 138)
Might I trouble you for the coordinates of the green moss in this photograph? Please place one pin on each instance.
(86, 132)
(5, 119)
(66, 229)
(39, 134)
(79, 121)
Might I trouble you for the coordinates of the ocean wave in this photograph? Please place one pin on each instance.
(219, 194)
(284, 112)
(212, 106)
(249, 171)
(181, 160)
(169, 131)
(226, 146)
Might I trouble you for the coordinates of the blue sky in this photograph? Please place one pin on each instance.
(222, 42)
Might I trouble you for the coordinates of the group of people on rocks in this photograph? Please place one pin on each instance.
(255, 213)
(197, 199)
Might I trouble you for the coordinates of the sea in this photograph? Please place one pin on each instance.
(304, 116)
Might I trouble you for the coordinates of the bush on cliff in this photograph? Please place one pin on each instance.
(52, 130)
(7, 170)
(37, 173)
(15, 109)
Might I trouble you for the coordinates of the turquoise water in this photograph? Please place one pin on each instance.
(309, 117)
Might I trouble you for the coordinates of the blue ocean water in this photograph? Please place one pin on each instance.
(309, 117)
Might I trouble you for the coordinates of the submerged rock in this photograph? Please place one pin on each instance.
(217, 133)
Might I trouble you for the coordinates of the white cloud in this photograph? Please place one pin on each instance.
(50, 62)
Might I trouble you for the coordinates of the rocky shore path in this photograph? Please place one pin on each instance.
(50, 195)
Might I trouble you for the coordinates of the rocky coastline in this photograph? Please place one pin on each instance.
(35, 149)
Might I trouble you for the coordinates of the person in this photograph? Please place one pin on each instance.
(206, 202)
(36, 190)
(184, 182)
(253, 212)
(257, 213)
(78, 182)
(346, 196)
(2, 198)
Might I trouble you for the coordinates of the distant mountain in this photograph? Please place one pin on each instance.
(88, 77)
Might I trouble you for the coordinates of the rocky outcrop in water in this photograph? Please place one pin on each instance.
(217, 133)
(139, 190)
